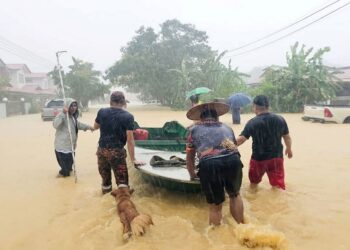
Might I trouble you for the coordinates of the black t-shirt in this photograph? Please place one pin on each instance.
(114, 122)
(266, 130)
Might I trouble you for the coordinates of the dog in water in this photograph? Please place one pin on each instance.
(133, 222)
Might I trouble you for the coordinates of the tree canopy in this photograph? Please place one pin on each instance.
(82, 82)
(163, 66)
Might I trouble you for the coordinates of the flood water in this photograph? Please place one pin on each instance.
(39, 211)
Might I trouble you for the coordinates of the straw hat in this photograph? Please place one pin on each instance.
(195, 112)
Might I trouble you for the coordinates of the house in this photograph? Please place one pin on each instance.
(344, 76)
(343, 95)
(40, 79)
(255, 77)
(26, 91)
(20, 75)
(26, 85)
(17, 74)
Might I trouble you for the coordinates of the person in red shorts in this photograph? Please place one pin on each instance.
(267, 130)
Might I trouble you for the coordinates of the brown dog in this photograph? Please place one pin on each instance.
(133, 222)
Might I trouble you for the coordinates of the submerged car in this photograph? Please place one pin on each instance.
(51, 109)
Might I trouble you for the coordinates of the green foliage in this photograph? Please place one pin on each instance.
(54, 74)
(228, 81)
(164, 66)
(305, 80)
(82, 82)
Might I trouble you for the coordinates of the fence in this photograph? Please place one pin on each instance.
(10, 108)
(2, 110)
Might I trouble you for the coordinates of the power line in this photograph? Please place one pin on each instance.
(284, 28)
(18, 47)
(25, 57)
(290, 33)
(23, 53)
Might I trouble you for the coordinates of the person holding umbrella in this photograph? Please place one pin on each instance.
(194, 94)
(236, 114)
(194, 100)
(236, 101)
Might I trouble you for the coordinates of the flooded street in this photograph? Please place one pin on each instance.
(39, 211)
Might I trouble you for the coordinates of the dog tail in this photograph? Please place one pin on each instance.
(139, 224)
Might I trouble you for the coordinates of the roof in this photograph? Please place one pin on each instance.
(37, 75)
(345, 73)
(23, 67)
(2, 64)
(31, 89)
(254, 77)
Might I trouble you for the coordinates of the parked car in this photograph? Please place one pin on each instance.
(51, 109)
(327, 113)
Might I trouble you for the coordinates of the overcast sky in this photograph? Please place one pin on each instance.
(95, 30)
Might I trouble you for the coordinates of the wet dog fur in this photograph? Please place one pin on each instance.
(133, 222)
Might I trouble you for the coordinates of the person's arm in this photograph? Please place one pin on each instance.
(240, 140)
(245, 135)
(288, 141)
(131, 148)
(83, 126)
(96, 125)
(58, 121)
(190, 162)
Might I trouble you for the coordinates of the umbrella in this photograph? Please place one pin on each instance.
(239, 100)
(197, 91)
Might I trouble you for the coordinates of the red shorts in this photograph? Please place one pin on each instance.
(274, 169)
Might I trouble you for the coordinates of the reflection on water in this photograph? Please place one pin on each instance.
(39, 211)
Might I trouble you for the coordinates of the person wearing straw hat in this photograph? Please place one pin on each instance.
(267, 130)
(220, 167)
(64, 150)
(116, 130)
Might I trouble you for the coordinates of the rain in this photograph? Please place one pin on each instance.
(171, 58)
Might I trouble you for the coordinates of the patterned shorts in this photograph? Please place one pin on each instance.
(112, 159)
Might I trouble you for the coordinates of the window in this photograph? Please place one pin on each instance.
(55, 103)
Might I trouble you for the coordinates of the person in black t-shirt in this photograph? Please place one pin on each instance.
(116, 130)
(267, 130)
